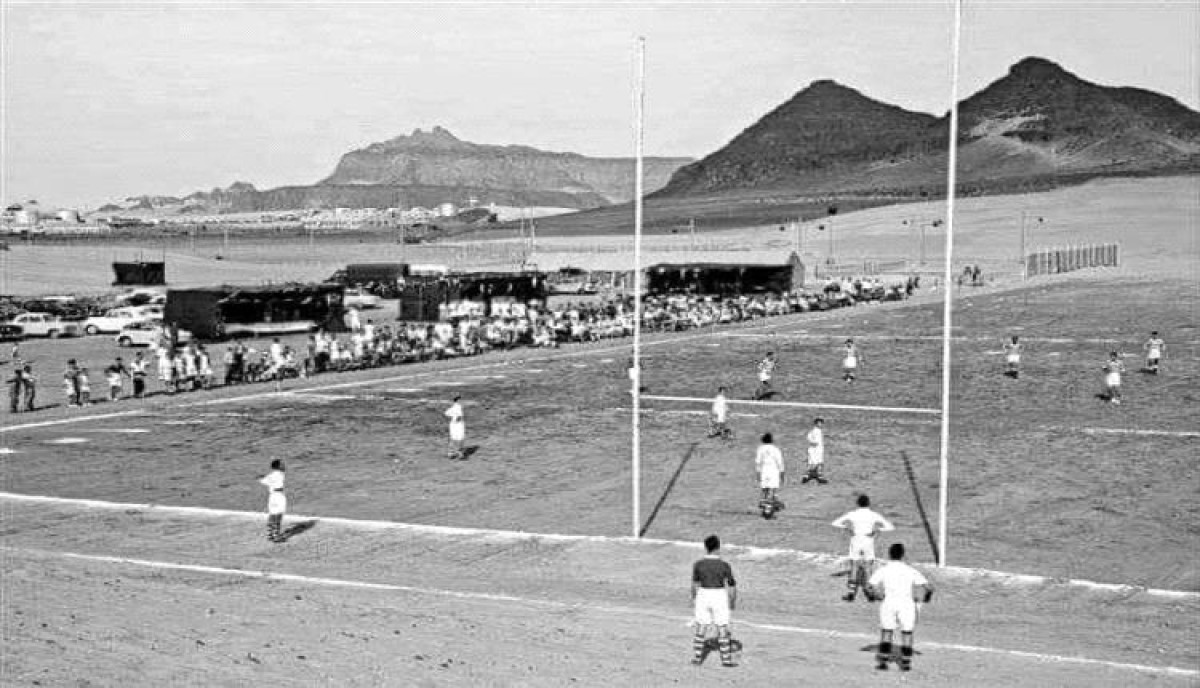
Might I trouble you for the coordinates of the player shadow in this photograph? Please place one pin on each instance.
(687, 456)
(874, 648)
(297, 529)
(912, 483)
(468, 452)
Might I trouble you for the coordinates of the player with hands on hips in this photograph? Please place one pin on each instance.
(863, 524)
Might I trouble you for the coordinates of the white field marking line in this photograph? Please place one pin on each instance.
(600, 608)
(665, 412)
(383, 380)
(929, 338)
(1151, 433)
(745, 552)
(73, 419)
(800, 404)
(321, 397)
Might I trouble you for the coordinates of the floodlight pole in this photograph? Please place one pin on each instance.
(635, 377)
(951, 183)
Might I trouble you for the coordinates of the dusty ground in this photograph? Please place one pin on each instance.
(571, 613)
(1034, 488)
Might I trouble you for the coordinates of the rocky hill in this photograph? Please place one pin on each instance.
(439, 159)
(429, 168)
(1037, 126)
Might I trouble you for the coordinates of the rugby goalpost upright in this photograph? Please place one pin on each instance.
(635, 377)
(948, 295)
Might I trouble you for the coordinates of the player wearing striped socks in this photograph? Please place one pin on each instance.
(714, 596)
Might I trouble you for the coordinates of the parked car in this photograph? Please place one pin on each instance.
(11, 333)
(357, 297)
(117, 318)
(147, 333)
(45, 325)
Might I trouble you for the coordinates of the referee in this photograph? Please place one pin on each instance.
(714, 594)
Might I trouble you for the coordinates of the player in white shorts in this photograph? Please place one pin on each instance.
(1112, 377)
(766, 368)
(714, 596)
(1155, 348)
(816, 453)
(458, 429)
(851, 357)
(768, 463)
(1012, 357)
(276, 501)
(903, 590)
(864, 525)
(719, 421)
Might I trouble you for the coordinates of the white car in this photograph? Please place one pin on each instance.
(359, 298)
(147, 333)
(45, 325)
(117, 318)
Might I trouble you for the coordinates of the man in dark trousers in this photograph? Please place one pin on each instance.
(15, 384)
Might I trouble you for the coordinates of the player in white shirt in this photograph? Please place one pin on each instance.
(719, 421)
(1155, 348)
(1112, 377)
(863, 525)
(816, 453)
(903, 590)
(851, 357)
(768, 463)
(276, 501)
(766, 368)
(1012, 357)
(458, 429)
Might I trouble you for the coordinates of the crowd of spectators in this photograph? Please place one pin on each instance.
(466, 331)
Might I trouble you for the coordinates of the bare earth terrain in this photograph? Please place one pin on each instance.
(1042, 481)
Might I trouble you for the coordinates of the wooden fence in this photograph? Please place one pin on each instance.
(1055, 260)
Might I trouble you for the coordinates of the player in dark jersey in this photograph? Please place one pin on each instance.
(714, 596)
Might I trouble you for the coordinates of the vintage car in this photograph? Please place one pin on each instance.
(147, 333)
(34, 324)
(117, 318)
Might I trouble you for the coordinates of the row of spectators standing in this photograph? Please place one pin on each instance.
(467, 332)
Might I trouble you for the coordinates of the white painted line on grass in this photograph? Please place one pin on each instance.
(116, 431)
(1149, 433)
(72, 419)
(751, 553)
(405, 390)
(599, 608)
(68, 440)
(924, 337)
(665, 412)
(6, 450)
(799, 404)
(301, 394)
(185, 421)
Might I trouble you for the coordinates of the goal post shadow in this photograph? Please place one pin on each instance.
(916, 491)
(662, 499)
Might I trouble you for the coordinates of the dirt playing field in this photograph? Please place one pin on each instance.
(1045, 479)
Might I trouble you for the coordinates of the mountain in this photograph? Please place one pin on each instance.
(1037, 126)
(429, 168)
(439, 159)
(825, 130)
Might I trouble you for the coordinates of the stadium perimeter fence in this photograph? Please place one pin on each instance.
(1058, 260)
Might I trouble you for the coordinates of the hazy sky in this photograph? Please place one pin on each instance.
(106, 100)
